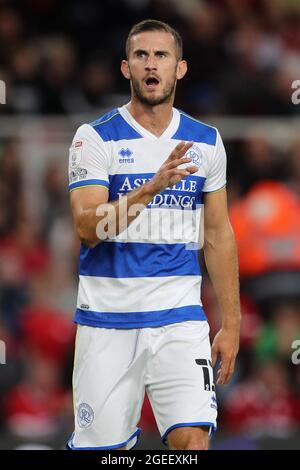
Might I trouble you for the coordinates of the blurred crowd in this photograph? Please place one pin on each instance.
(62, 58)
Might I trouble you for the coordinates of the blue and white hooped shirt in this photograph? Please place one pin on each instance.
(149, 275)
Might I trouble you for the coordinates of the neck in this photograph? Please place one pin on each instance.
(155, 119)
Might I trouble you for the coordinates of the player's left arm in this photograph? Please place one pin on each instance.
(221, 260)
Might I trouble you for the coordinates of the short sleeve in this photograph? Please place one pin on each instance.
(216, 178)
(88, 159)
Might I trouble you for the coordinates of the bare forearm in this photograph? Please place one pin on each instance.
(222, 265)
(98, 223)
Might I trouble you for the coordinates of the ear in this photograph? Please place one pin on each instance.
(181, 69)
(125, 69)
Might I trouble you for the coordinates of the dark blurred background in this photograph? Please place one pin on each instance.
(60, 62)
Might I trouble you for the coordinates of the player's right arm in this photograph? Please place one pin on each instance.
(89, 202)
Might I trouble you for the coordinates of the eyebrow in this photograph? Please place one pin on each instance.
(139, 51)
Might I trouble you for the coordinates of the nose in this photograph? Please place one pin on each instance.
(151, 63)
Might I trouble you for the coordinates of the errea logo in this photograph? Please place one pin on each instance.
(125, 155)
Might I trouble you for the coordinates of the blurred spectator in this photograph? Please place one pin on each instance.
(264, 404)
(39, 405)
(204, 48)
(260, 162)
(242, 55)
(23, 256)
(277, 335)
(55, 202)
(47, 332)
(10, 186)
(97, 87)
(294, 179)
(267, 222)
(35, 407)
(59, 72)
(11, 30)
(11, 366)
(26, 94)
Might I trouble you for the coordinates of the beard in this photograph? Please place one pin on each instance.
(166, 95)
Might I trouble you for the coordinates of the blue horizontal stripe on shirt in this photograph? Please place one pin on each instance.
(139, 319)
(186, 194)
(121, 260)
(88, 183)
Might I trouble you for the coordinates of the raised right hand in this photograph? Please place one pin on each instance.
(169, 173)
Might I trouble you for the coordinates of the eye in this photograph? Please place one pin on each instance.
(141, 54)
(161, 54)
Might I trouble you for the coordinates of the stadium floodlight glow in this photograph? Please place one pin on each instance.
(2, 92)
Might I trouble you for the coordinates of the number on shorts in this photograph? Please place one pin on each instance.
(204, 363)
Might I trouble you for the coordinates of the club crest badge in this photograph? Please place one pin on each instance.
(85, 415)
(196, 155)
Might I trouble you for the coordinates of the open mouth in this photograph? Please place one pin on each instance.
(151, 82)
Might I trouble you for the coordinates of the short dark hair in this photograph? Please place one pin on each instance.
(154, 25)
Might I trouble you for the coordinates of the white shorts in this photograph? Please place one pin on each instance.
(114, 367)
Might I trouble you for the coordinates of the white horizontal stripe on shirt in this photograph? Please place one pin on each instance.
(104, 294)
